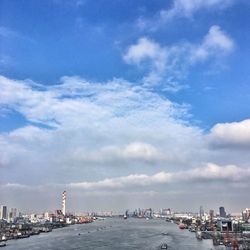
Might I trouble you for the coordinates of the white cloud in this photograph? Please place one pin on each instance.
(124, 182)
(166, 65)
(217, 39)
(235, 134)
(216, 42)
(135, 150)
(181, 9)
(122, 154)
(214, 172)
(140, 150)
(187, 8)
(210, 173)
(146, 49)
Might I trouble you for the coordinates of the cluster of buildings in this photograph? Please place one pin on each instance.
(140, 213)
(17, 226)
(230, 230)
(7, 215)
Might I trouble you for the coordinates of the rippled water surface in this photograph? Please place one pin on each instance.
(112, 234)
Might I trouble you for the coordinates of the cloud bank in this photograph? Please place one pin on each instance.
(99, 137)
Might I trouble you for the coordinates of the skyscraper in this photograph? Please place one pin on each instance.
(3, 212)
(201, 211)
(222, 212)
(13, 213)
(211, 214)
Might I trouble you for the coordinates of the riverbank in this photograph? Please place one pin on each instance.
(113, 234)
(16, 231)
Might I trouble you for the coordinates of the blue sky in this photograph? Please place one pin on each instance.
(86, 38)
(89, 72)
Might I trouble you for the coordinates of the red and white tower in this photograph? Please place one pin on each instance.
(64, 202)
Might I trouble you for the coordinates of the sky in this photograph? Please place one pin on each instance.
(124, 104)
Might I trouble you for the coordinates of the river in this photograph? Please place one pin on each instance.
(114, 233)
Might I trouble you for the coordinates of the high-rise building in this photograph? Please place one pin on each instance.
(222, 212)
(3, 212)
(12, 214)
(211, 217)
(165, 211)
(46, 216)
(201, 212)
(246, 215)
(211, 214)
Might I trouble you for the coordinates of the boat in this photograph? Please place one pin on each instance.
(3, 238)
(34, 233)
(125, 217)
(192, 229)
(199, 235)
(23, 236)
(164, 246)
(2, 244)
(164, 234)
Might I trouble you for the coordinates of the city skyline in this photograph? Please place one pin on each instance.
(9, 213)
(125, 104)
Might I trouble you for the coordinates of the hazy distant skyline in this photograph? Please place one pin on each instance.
(125, 104)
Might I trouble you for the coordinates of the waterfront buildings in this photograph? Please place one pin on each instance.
(225, 225)
(165, 212)
(3, 213)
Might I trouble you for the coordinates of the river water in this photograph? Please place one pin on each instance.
(114, 233)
